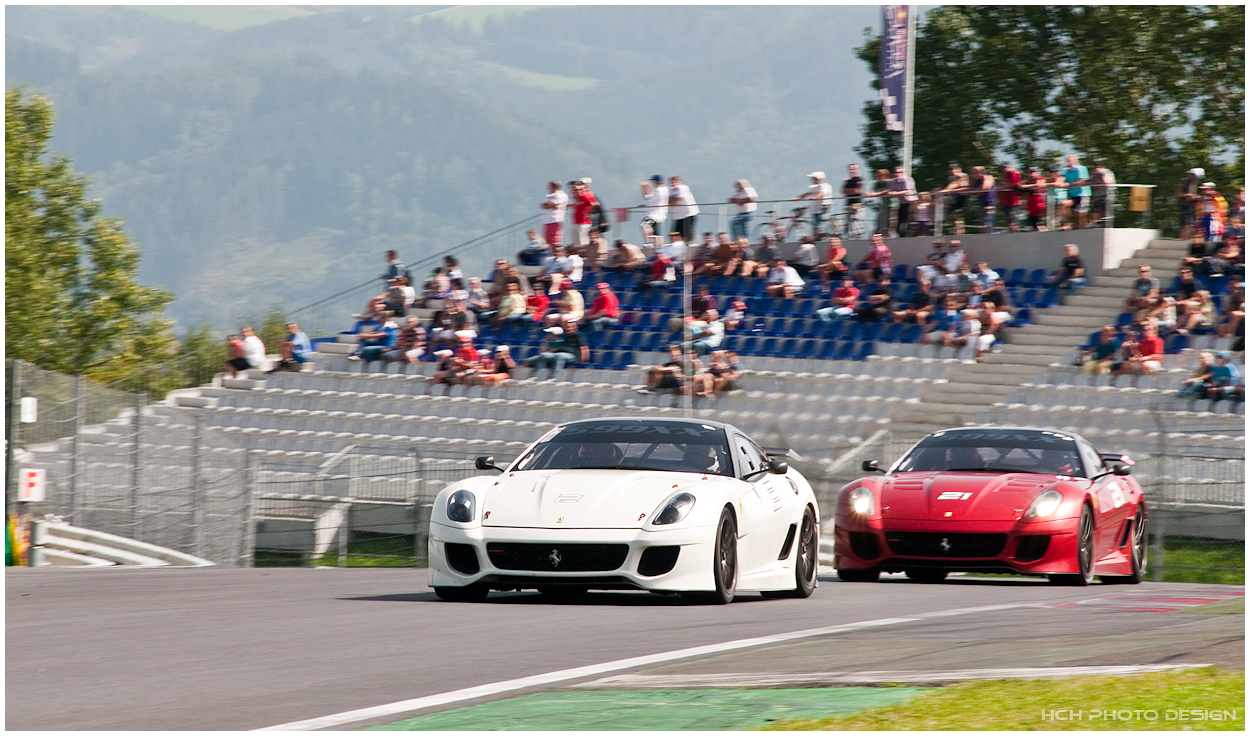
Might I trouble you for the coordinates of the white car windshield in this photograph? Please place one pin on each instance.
(684, 447)
(1004, 451)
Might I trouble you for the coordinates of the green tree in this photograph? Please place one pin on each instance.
(1150, 90)
(72, 302)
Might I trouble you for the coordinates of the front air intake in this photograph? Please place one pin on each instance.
(463, 558)
(657, 560)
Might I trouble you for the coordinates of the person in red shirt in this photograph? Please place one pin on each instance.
(583, 201)
(1035, 190)
(841, 302)
(536, 304)
(877, 264)
(1009, 195)
(833, 269)
(1146, 355)
(605, 310)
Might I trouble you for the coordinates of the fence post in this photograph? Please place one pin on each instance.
(1157, 525)
(247, 551)
(345, 524)
(77, 464)
(197, 487)
(13, 394)
(136, 467)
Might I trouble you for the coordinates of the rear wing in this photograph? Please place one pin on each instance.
(782, 452)
(1115, 457)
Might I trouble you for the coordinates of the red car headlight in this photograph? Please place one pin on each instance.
(1044, 505)
(861, 501)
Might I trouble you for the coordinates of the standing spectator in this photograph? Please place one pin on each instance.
(987, 195)
(852, 191)
(235, 361)
(454, 275)
(409, 343)
(1100, 356)
(1077, 178)
(1187, 200)
(655, 196)
(877, 307)
(1061, 205)
(253, 349)
(882, 194)
(805, 257)
(841, 302)
(744, 199)
(833, 269)
(583, 201)
(784, 281)
(1102, 195)
(562, 346)
(295, 349)
(685, 209)
(553, 206)
(626, 257)
(534, 250)
(877, 263)
(605, 310)
(903, 188)
(924, 215)
(821, 194)
(1071, 273)
(394, 269)
(1211, 210)
(955, 191)
(1009, 195)
(596, 253)
(1035, 193)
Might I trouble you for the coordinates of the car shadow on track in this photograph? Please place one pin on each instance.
(530, 597)
(1005, 581)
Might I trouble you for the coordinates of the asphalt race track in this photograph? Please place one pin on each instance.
(211, 649)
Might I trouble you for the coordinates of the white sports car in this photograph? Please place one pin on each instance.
(664, 505)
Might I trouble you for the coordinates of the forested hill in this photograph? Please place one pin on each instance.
(266, 155)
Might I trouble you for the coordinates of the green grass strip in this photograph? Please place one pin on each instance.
(654, 710)
(1110, 703)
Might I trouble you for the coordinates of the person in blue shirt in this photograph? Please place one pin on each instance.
(296, 349)
(371, 345)
(1224, 377)
(1077, 177)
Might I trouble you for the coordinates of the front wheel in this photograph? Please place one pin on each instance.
(804, 562)
(1137, 553)
(724, 564)
(1084, 553)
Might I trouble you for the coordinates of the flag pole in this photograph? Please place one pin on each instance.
(909, 89)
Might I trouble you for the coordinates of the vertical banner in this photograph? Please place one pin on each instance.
(892, 67)
(34, 486)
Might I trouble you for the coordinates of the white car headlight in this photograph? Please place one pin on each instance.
(861, 501)
(460, 506)
(1044, 505)
(677, 508)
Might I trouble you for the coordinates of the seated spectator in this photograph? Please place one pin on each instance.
(409, 343)
(595, 254)
(497, 370)
(955, 257)
(1101, 356)
(702, 254)
(253, 349)
(964, 279)
(476, 298)
(235, 361)
(467, 362)
(1187, 287)
(536, 306)
(1071, 273)
(1144, 290)
(932, 262)
(1224, 377)
(1145, 355)
(1196, 385)
(709, 333)
(1163, 312)
(394, 299)
(833, 270)
(561, 346)
(626, 257)
(370, 346)
(605, 310)
(568, 264)
(735, 314)
(534, 251)
(986, 275)
(702, 300)
(512, 308)
(877, 262)
(784, 281)
(1199, 312)
(766, 253)
(1197, 252)
(1232, 323)
(445, 370)
(438, 286)
(1222, 262)
(296, 350)
(841, 302)
(877, 307)
(669, 376)
(919, 307)
(448, 321)
(805, 257)
(998, 296)
(967, 331)
(701, 381)
(942, 322)
(571, 305)
(724, 371)
(663, 275)
(975, 294)
(992, 320)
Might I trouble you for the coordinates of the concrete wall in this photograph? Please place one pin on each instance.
(1101, 250)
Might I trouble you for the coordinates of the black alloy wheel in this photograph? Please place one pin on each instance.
(1084, 553)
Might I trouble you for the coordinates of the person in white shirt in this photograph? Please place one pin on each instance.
(806, 257)
(684, 208)
(253, 349)
(821, 194)
(966, 332)
(784, 281)
(744, 199)
(655, 195)
(956, 257)
(554, 206)
(675, 251)
(568, 266)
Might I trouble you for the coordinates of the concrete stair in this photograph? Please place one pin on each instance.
(972, 389)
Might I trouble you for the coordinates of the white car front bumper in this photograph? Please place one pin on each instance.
(523, 558)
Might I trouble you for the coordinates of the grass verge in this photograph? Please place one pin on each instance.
(1190, 560)
(388, 551)
(1103, 703)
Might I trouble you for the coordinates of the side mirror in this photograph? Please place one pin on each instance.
(486, 462)
(778, 467)
(1122, 469)
(871, 466)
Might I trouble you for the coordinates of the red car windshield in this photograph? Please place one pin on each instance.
(1001, 451)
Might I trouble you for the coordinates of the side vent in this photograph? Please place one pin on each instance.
(786, 545)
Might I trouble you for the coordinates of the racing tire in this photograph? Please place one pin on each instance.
(926, 576)
(1137, 554)
(724, 564)
(464, 594)
(805, 561)
(1084, 553)
(564, 592)
(859, 576)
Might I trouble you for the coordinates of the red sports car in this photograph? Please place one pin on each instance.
(995, 499)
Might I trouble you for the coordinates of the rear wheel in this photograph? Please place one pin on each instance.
(1137, 553)
(1084, 553)
(804, 562)
(859, 576)
(724, 564)
(465, 594)
(926, 576)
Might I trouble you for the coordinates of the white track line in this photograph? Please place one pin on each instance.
(495, 688)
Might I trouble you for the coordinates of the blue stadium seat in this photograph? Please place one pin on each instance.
(1175, 344)
(1016, 278)
(769, 346)
(794, 348)
(632, 340)
(654, 341)
(1029, 298)
(1037, 279)
(1050, 298)
(838, 328)
(854, 331)
(1124, 320)
(912, 334)
(828, 349)
(719, 284)
(893, 333)
(1023, 315)
(846, 350)
(864, 350)
(900, 273)
(749, 346)
(616, 338)
(872, 330)
(603, 358)
(756, 324)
